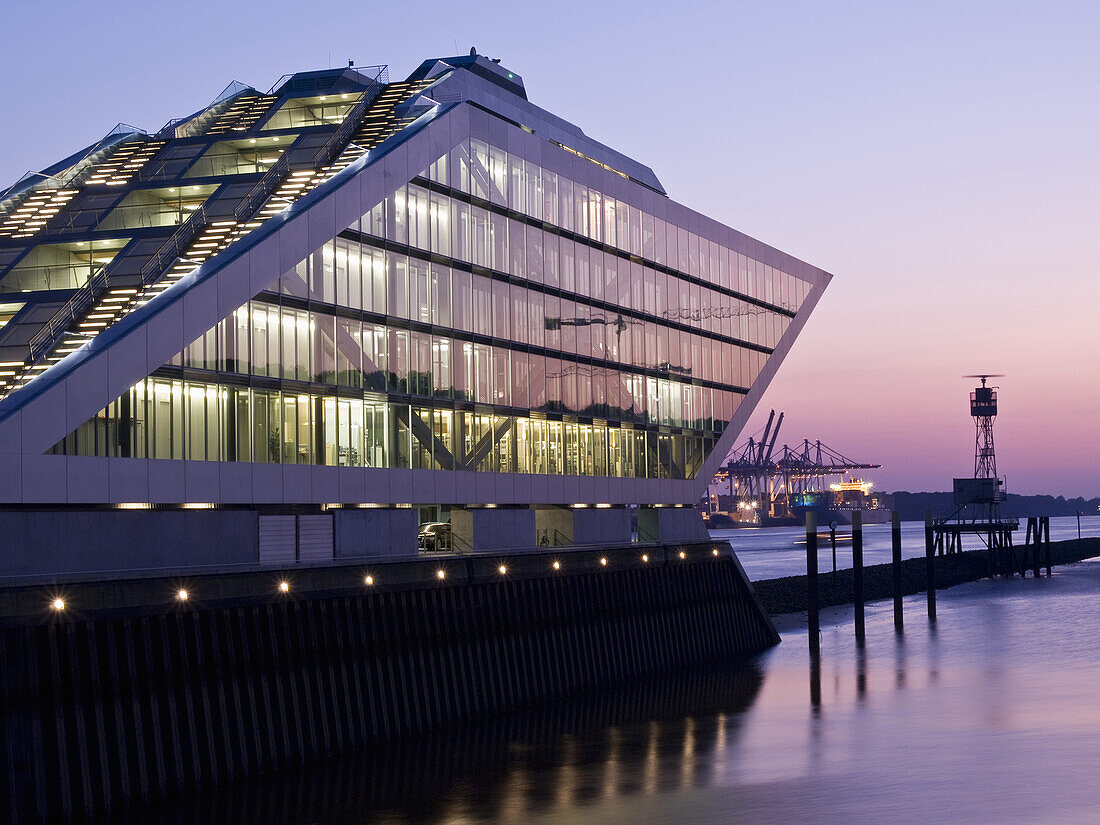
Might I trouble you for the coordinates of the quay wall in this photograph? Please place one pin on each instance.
(129, 696)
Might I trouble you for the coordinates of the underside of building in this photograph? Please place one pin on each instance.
(292, 326)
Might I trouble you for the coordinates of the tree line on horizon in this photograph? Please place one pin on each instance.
(912, 506)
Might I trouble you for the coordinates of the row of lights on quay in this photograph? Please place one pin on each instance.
(182, 595)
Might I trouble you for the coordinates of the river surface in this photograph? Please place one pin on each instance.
(989, 716)
(773, 552)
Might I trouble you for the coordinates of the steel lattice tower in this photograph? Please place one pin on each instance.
(983, 406)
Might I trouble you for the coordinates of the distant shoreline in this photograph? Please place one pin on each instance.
(912, 506)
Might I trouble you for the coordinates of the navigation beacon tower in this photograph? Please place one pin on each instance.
(983, 407)
(977, 500)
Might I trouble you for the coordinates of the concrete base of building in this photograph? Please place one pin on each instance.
(58, 542)
(53, 542)
(142, 690)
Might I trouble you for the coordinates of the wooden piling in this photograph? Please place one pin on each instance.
(1044, 526)
(895, 567)
(811, 583)
(930, 565)
(857, 574)
(832, 539)
(1033, 533)
(815, 681)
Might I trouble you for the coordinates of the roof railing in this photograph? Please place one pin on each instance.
(368, 74)
(196, 124)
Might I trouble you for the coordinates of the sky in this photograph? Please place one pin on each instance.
(939, 158)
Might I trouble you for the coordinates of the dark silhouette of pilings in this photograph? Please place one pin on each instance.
(930, 565)
(895, 559)
(811, 583)
(857, 575)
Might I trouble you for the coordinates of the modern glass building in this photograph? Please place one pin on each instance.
(332, 310)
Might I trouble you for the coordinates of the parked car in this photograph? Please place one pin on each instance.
(434, 535)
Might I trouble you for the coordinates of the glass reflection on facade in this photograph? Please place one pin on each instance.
(491, 315)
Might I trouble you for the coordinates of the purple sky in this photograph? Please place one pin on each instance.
(940, 158)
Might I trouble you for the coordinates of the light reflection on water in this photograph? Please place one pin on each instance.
(988, 716)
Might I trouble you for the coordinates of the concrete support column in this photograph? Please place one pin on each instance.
(485, 529)
(601, 525)
(384, 532)
(671, 524)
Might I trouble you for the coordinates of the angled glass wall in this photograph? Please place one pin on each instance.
(60, 265)
(239, 157)
(318, 110)
(490, 315)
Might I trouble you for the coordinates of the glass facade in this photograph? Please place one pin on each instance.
(61, 265)
(490, 315)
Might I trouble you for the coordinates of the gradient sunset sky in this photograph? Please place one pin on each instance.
(941, 159)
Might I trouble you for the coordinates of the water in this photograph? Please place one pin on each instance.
(772, 552)
(987, 717)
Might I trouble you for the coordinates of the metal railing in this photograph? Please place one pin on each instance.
(81, 300)
(47, 337)
(85, 297)
(175, 246)
(381, 76)
(257, 196)
(342, 136)
(196, 124)
(75, 173)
